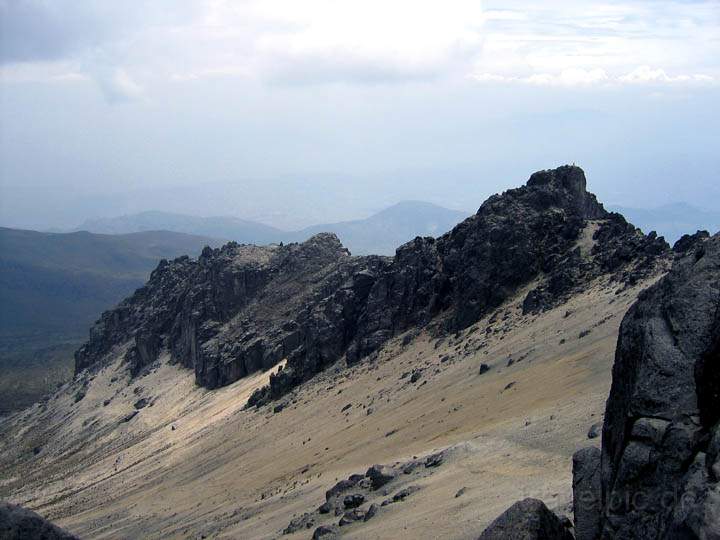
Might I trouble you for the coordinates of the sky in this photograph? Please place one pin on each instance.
(295, 112)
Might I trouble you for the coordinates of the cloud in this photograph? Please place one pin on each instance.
(129, 47)
(32, 31)
(595, 77)
(117, 86)
(280, 40)
(646, 75)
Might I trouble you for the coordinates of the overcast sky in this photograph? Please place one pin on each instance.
(294, 111)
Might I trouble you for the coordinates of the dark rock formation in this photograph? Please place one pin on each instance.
(306, 521)
(380, 475)
(240, 309)
(18, 523)
(657, 475)
(354, 500)
(689, 242)
(595, 430)
(586, 493)
(659, 451)
(326, 532)
(528, 519)
(371, 512)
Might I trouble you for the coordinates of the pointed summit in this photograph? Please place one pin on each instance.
(570, 178)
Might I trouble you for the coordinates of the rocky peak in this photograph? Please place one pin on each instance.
(239, 309)
(569, 179)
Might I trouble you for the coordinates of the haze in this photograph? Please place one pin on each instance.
(294, 113)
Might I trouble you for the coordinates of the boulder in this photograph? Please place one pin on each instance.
(326, 532)
(528, 519)
(18, 523)
(662, 413)
(340, 487)
(354, 500)
(595, 430)
(380, 475)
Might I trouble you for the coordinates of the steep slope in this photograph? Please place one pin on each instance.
(384, 232)
(53, 286)
(197, 462)
(657, 475)
(470, 367)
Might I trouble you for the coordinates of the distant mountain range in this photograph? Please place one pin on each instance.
(671, 220)
(221, 227)
(378, 234)
(53, 286)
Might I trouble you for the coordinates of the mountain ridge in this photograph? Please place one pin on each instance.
(350, 306)
(380, 233)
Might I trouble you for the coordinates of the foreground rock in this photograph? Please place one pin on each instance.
(240, 309)
(587, 493)
(18, 523)
(657, 475)
(528, 519)
(661, 436)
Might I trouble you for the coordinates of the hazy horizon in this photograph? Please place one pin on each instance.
(291, 116)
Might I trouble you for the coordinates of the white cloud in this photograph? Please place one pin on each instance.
(117, 85)
(597, 76)
(349, 41)
(560, 43)
(648, 75)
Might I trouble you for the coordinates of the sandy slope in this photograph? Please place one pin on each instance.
(226, 472)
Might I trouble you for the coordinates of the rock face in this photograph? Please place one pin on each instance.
(661, 436)
(586, 493)
(18, 523)
(528, 519)
(240, 309)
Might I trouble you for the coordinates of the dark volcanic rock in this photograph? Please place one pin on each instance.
(306, 521)
(595, 430)
(354, 500)
(129, 416)
(586, 493)
(141, 403)
(340, 487)
(405, 493)
(326, 532)
(660, 435)
(435, 460)
(371, 512)
(18, 523)
(351, 516)
(240, 309)
(528, 519)
(689, 242)
(380, 475)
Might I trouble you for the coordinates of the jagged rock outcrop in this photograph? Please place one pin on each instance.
(240, 309)
(18, 523)
(660, 468)
(657, 475)
(528, 519)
